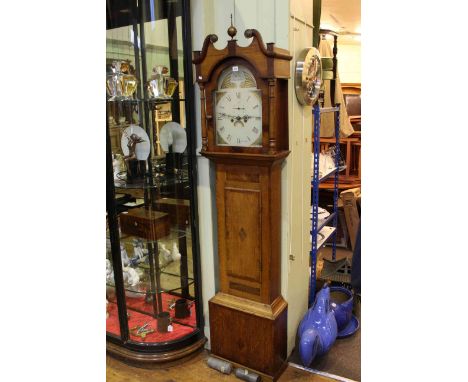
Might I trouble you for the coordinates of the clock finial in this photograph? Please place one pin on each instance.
(232, 31)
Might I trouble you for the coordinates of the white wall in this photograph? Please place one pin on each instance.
(273, 19)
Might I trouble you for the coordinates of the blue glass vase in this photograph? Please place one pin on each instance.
(318, 330)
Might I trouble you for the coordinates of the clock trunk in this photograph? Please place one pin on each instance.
(248, 200)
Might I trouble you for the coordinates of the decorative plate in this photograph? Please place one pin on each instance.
(173, 134)
(308, 78)
(143, 148)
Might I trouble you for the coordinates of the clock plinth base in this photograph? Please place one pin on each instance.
(250, 334)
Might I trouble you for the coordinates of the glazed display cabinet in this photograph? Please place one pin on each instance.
(153, 296)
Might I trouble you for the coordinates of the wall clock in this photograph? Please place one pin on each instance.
(308, 77)
(244, 108)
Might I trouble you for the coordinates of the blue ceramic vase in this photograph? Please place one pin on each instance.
(341, 303)
(317, 330)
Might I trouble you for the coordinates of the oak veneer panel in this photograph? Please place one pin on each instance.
(245, 194)
(248, 201)
(246, 177)
(243, 236)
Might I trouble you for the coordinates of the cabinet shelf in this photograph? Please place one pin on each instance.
(146, 100)
(164, 271)
(144, 288)
(121, 184)
(174, 234)
(159, 181)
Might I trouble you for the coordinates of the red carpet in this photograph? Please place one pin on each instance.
(137, 318)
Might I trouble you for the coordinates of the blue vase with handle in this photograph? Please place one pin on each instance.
(318, 330)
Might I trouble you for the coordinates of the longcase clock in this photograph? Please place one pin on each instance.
(244, 108)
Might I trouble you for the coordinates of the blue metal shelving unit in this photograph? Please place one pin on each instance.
(316, 229)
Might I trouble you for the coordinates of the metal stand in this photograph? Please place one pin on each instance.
(335, 188)
(315, 193)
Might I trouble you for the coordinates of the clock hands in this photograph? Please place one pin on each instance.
(237, 118)
(246, 117)
(229, 116)
(234, 118)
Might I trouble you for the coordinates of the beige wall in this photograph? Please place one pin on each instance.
(296, 198)
(349, 62)
(277, 22)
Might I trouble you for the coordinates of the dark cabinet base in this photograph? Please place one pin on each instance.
(165, 359)
(250, 334)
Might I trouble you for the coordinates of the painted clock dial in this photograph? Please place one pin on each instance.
(238, 109)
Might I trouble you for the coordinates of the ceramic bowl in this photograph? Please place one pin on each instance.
(341, 303)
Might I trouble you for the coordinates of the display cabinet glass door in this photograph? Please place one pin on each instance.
(152, 184)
